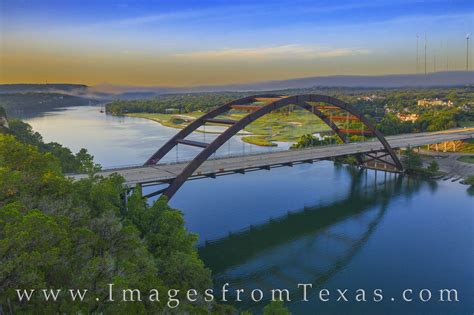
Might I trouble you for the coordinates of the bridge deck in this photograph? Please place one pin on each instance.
(167, 172)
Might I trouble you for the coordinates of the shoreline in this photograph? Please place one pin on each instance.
(246, 136)
(165, 124)
(263, 133)
(450, 165)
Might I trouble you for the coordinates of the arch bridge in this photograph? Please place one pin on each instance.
(330, 110)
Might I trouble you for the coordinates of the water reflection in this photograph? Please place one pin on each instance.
(309, 246)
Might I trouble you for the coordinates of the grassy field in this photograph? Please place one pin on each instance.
(282, 126)
(468, 146)
(259, 140)
(466, 159)
(466, 123)
(168, 120)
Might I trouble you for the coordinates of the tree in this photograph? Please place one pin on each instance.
(433, 167)
(434, 120)
(55, 233)
(167, 239)
(470, 181)
(309, 140)
(86, 162)
(392, 125)
(411, 161)
(81, 162)
(276, 308)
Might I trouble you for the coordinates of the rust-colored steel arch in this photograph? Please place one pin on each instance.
(299, 100)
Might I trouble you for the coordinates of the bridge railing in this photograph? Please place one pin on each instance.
(219, 157)
(213, 158)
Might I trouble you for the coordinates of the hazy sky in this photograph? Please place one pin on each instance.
(178, 43)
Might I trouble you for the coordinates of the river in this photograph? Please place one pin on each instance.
(334, 227)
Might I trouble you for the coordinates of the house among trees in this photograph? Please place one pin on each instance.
(434, 102)
(408, 117)
(171, 110)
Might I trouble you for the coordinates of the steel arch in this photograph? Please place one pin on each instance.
(282, 101)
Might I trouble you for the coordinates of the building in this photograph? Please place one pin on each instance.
(370, 98)
(171, 110)
(408, 117)
(434, 102)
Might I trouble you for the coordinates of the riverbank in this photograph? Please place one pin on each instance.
(466, 159)
(181, 121)
(449, 164)
(259, 140)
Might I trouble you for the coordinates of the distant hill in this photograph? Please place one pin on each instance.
(452, 78)
(60, 87)
(109, 91)
(30, 102)
(437, 79)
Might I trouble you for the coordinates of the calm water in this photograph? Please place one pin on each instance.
(332, 226)
(119, 141)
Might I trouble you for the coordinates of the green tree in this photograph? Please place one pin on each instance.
(433, 167)
(276, 308)
(309, 140)
(411, 161)
(167, 239)
(81, 162)
(435, 120)
(392, 125)
(55, 233)
(470, 181)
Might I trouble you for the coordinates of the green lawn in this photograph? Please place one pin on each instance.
(281, 126)
(467, 159)
(466, 123)
(169, 120)
(259, 140)
(287, 127)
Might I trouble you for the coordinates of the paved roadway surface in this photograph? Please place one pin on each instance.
(166, 172)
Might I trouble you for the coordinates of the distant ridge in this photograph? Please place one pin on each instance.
(53, 87)
(436, 79)
(451, 78)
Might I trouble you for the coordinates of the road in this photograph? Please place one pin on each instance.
(167, 172)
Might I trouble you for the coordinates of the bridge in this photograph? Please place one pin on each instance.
(378, 152)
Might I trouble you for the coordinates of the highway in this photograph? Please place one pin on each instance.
(220, 166)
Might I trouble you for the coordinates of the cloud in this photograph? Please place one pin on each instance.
(275, 52)
(159, 17)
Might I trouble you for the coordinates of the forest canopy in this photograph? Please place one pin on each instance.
(56, 233)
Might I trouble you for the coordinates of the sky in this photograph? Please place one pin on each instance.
(189, 43)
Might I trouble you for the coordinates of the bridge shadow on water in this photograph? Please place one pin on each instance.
(307, 246)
